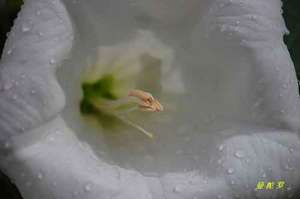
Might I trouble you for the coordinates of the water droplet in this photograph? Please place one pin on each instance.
(230, 171)
(243, 42)
(287, 167)
(51, 139)
(252, 17)
(219, 197)
(40, 34)
(221, 147)
(232, 182)
(264, 175)
(40, 176)
(52, 61)
(239, 154)
(87, 188)
(223, 28)
(177, 189)
(75, 193)
(15, 97)
(220, 161)
(25, 28)
(7, 86)
(32, 92)
(7, 145)
(291, 150)
(221, 5)
(23, 76)
(9, 52)
(237, 22)
(38, 13)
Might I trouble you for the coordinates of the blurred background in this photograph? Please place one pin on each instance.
(10, 8)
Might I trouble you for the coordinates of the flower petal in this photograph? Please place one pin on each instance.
(39, 40)
(253, 77)
(238, 46)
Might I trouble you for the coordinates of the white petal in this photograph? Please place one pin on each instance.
(248, 64)
(230, 60)
(60, 166)
(30, 94)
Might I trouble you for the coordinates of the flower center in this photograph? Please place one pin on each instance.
(101, 101)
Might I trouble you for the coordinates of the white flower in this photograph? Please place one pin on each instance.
(225, 78)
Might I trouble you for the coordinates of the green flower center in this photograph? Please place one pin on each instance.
(101, 101)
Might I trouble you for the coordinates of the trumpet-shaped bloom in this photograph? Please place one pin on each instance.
(211, 80)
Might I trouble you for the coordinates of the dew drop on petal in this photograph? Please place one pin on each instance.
(32, 92)
(253, 17)
(23, 76)
(75, 193)
(40, 176)
(14, 97)
(221, 147)
(7, 145)
(230, 171)
(291, 150)
(87, 188)
(25, 28)
(239, 154)
(9, 52)
(176, 189)
(7, 86)
(40, 34)
(287, 167)
(52, 61)
(148, 196)
(220, 161)
(51, 139)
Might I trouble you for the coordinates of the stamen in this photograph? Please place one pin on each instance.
(147, 101)
(136, 126)
(136, 100)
